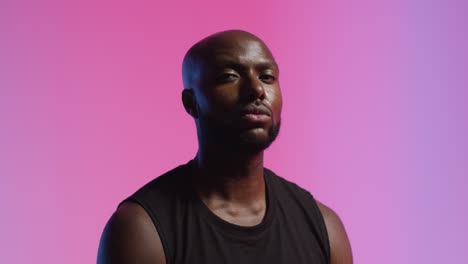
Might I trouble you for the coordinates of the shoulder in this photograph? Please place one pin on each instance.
(287, 185)
(130, 237)
(167, 182)
(161, 192)
(340, 248)
(138, 231)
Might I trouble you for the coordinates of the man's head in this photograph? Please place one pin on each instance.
(231, 89)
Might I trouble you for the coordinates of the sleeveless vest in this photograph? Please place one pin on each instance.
(292, 230)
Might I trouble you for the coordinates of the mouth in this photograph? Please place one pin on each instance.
(255, 110)
(256, 118)
(255, 114)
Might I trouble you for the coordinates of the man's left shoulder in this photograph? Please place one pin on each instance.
(340, 248)
(286, 184)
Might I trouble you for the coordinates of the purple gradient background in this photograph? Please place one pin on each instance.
(374, 123)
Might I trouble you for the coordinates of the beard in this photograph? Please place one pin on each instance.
(234, 138)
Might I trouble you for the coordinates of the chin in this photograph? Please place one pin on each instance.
(258, 139)
(254, 147)
(235, 139)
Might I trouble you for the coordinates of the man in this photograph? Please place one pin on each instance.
(224, 206)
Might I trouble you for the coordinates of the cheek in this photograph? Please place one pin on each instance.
(276, 103)
(218, 100)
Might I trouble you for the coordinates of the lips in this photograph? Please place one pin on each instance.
(255, 114)
(255, 110)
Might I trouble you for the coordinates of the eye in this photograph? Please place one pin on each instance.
(267, 78)
(227, 77)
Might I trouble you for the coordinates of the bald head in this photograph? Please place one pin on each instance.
(231, 89)
(206, 50)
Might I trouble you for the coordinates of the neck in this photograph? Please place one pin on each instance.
(230, 176)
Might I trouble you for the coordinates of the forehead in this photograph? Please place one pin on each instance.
(238, 51)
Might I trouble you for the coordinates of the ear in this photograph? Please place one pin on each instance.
(190, 103)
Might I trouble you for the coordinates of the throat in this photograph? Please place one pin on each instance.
(236, 193)
(251, 215)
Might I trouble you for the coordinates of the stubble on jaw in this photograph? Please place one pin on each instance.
(234, 139)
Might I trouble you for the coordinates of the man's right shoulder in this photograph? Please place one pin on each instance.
(168, 182)
(130, 237)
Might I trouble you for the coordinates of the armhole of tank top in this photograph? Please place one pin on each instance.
(156, 224)
(323, 228)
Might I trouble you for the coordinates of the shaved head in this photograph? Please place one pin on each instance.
(231, 89)
(204, 50)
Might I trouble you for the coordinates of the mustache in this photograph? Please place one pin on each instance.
(257, 107)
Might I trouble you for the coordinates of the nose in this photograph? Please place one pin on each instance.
(253, 88)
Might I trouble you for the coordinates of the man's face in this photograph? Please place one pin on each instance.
(238, 96)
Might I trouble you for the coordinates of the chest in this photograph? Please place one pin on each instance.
(282, 241)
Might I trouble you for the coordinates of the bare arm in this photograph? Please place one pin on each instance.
(340, 248)
(130, 237)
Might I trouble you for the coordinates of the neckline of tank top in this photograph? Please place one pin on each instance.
(233, 230)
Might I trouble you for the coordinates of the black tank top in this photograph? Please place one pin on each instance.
(292, 230)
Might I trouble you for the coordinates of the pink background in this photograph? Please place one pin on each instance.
(374, 123)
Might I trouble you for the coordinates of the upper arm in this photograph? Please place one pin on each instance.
(130, 237)
(340, 248)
